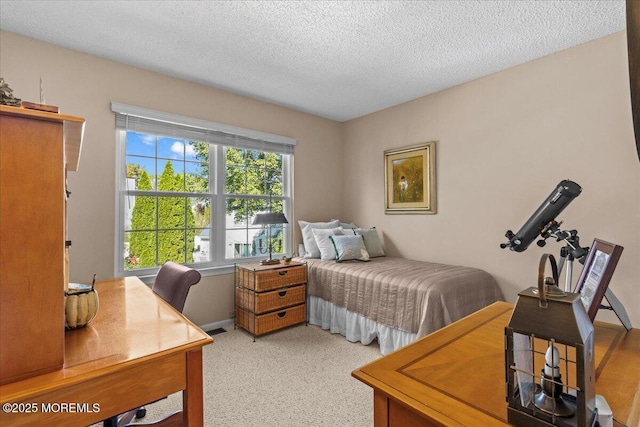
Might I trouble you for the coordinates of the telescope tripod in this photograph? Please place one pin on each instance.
(568, 253)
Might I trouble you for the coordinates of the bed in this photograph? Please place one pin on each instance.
(354, 289)
(394, 300)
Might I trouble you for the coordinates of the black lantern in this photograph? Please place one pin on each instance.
(550, 365)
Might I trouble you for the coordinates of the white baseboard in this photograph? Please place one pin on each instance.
(215, 325)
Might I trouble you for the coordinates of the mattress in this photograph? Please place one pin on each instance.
(412, 296)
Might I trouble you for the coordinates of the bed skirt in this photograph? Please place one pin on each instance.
(355, 327)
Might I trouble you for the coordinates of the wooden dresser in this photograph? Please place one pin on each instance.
(456, 377)
(36, 150)
(270, 297)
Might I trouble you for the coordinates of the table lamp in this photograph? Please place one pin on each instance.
(270, 219)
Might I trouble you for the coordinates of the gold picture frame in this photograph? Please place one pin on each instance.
(410, 179)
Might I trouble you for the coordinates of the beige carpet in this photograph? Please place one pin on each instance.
(299, 376)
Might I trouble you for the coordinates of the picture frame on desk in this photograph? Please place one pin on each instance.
(596, 274)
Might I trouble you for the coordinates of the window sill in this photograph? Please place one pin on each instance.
(147, 276)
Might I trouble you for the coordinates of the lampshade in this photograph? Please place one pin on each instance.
(270, 218)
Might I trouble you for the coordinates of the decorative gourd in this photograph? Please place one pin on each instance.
(80, 306)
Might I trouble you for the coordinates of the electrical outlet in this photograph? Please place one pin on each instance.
(232, 313)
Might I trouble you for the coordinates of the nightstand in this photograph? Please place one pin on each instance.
(270, 297)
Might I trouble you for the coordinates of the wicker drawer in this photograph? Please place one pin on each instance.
(262, 279)
(269, 322)
(269, 301)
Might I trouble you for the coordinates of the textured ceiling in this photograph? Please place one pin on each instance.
(335, 59)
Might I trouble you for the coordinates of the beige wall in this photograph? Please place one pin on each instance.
(504, 142)
(85, 85)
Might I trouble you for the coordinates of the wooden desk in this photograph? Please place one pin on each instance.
(137, 349)
(456, 377)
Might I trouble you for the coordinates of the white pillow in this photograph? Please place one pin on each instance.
(310, 246)
(346, 225)
(301, 250)
(327, 251)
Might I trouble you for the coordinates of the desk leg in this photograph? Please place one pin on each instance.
(192, 404)
(380, 409)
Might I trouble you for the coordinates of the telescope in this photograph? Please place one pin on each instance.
(542, 222)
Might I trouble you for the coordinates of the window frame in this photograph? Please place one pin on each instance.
(219, 263)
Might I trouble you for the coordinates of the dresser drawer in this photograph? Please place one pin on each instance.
(271, 278)
(264, 323)
(271, 300)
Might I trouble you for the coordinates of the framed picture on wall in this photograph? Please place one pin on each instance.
(410, 179)
(596, 274)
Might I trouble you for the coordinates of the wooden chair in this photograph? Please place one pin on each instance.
(172, 284)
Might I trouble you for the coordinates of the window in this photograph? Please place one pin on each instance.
(188, 192)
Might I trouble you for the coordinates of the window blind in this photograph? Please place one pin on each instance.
(144, 120)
